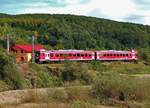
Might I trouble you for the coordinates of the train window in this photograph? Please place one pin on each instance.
(126, 54)
(85, 55)
(61, 55)
(74, 55)
(70, 54)
(90, 55)
(117, 54)
(78, 55)
(22, 51)
(123, 54)
(65, 55)
(82, 55)
(104, 54)
(120, 54)
(48, 55)
(114, 54)
(110, 54)
(57, 55)
(51, 55)
(107, 54)
(130, 55)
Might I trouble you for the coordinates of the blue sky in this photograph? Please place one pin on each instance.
(136, 11)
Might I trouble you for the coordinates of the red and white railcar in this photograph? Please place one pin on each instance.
(62, 55)
(114, 55)
(81, 55)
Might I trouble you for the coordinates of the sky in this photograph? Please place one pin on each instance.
(135, 11)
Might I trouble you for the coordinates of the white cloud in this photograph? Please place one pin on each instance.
(72, 2)
(146, 15)
(111, 9)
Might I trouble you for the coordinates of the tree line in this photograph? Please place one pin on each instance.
(73, 32)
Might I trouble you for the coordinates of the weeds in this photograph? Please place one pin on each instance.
(119, 87)
(81, 104)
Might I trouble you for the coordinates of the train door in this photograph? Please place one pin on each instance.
(37, 56)
(47, 56)
(133, 54)
(95, 53)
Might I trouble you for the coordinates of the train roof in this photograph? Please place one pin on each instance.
(116, 51)
(71, 51)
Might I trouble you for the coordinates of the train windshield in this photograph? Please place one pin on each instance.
(37, 53)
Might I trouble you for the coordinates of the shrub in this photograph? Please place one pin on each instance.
(43, 78)
(76, 71)
(9, 72)
(98, 66)
(145, 55)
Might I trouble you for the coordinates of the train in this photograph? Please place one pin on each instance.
(50, 56)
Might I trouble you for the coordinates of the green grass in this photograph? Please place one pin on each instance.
(128, 68)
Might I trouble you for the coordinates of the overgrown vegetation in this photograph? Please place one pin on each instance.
(97, 65)
(75, 97)
(76, 71)
(114, 84)
(145, 55)
(9, 72)
(41, 77)
(121, 87)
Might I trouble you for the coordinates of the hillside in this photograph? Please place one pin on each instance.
(74, 32)
(76, 84)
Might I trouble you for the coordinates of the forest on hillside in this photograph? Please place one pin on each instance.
(73, 32)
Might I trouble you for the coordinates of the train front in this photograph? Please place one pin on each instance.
(40, 56)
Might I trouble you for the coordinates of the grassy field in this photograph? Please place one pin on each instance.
(81, 85)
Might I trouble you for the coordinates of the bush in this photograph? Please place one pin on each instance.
(76, 71)
(42, 78)
(145, 55)
(9, 72)
(113, 85)
(98, 66)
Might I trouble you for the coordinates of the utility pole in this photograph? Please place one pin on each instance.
(8, 43)
(33, 49)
